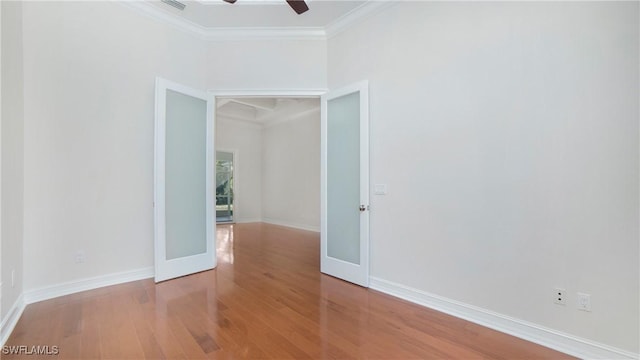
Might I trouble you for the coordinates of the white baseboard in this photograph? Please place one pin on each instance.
(566, 343)
(9, 322)
(291, 225)
(71, 287)
(246, 221)
(278, 222)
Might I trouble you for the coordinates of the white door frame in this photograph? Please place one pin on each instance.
(315, 93)
(215, 94)
(228, 93)
(284, 93)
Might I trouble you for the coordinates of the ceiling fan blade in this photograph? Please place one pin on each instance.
(299, 6)
(231, 1)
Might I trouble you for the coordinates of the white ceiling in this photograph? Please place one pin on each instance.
(260, 13)
(260, 19)
(265, 111)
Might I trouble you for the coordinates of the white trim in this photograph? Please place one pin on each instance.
(223, 34)
(152, 12)
(11, 320)
(566, 343)
(166, 269)
(244, 2)
(291, 93)
(247, 221)
(72, 287)
(339, 25)
(296, 93)
(271, 93)
(357, 15)
(265, 33)
(53, 291)
(279, 222)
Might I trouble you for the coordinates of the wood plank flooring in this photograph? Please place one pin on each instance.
(266, 299)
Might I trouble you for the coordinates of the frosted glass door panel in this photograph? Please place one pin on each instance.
(343, 178)
(184, 181)
(185, 174)
(344, 183)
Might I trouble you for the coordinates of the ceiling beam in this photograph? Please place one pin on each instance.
(238, 111)
(222, 102)
(258, 103)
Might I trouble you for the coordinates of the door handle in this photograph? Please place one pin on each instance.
(363, 208)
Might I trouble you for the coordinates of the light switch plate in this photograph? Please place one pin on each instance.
(380, 189)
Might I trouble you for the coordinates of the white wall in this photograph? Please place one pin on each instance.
(266, 64)
(508, 136)
(291, 172)
(245, 140)
(272, 64)
(277, 168)
(89, 70)
(12, 155)
(89, 100)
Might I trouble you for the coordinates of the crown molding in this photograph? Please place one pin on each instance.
(357, 15)
(265, 33)
(244, 2)
(296, 93)
(257, 33)
(152, 12)
(224, 34)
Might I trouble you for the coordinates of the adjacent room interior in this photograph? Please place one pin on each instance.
(276, 146)
(504, 177)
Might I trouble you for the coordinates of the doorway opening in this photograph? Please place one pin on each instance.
(268, 124)
(277, 136)
(224, 186)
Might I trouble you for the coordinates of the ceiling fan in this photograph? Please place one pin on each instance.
(299, 6)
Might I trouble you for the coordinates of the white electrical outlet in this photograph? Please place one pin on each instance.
(584, 302)
(560, 296)
(79, 257)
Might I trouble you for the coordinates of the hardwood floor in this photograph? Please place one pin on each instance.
(266, 299)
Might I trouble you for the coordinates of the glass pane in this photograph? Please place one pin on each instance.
(343, 178)
(185, 175)
(224, 186)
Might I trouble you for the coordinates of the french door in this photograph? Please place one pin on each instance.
(344, 224)
(184, 196)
